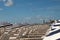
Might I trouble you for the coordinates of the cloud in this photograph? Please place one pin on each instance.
(51, 8)
(1, 9)
(8, 3)
(28, 18)
(4, 0)
(55, 0)
(0, 0)
(54, 7)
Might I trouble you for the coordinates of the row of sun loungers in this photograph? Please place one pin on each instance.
(23, 33)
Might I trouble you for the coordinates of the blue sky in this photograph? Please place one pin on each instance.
(17, 10)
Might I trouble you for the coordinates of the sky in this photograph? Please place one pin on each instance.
(17, 10)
